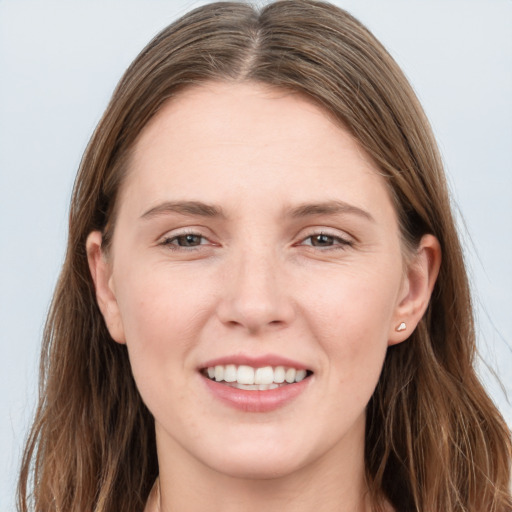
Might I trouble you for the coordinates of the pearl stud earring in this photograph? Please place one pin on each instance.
(401, 327)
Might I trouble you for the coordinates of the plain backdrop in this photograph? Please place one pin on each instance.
(59, 62)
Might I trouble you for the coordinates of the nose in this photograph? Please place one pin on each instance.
(256, 293)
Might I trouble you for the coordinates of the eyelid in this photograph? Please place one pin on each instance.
(170, 236)
(344, 240)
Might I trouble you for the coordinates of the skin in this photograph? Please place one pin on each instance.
(257, 283)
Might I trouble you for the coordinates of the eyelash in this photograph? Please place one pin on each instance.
(338, 242)
(168, 241)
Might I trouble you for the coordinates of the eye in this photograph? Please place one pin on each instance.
(185, 240)
(323, 240)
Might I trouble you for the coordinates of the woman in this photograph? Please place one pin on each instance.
(264, 302)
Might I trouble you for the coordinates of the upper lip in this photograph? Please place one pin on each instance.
(255, 361)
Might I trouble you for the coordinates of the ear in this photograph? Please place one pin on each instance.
(105, 294)
(418, 283)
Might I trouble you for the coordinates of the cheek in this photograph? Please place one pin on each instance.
(162, 317)
(351, 320)
(158, 305)
(355, 305)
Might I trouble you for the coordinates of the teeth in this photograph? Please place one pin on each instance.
(257, 387)
(290, 375)
(247, 377)
(300, 375)
(229, 373)
(264, 375)
(219, 373)
(279, 375)
(244, 375)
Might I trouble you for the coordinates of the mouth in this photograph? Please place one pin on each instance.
(249, 378)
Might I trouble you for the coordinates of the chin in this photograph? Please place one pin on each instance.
(246, 468)
(258, 461)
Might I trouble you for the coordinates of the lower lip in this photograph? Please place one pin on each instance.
(254, 400)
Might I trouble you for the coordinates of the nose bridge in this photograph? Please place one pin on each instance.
(255, 297)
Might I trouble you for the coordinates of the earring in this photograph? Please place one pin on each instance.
(401, 327)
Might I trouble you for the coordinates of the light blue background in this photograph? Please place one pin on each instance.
(59, 62)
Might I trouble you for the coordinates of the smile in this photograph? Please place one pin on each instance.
(255, 379)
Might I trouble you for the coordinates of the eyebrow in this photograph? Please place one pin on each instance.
(195, 208)
(329, 208)
(200, 209)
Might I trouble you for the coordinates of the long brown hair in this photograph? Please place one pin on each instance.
(434, 439)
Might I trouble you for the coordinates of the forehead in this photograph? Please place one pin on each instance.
(246, 139)
(242, 112)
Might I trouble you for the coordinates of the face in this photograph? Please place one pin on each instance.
(253, 233)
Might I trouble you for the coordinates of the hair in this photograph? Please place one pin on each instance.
(434, 439)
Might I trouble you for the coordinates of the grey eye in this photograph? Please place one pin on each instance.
(189, 240)
(321, 240)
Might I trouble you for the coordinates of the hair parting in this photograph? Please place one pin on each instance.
(434, 439)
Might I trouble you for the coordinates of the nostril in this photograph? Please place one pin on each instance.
(255, 302)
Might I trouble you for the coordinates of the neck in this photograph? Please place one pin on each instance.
(333, 483)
